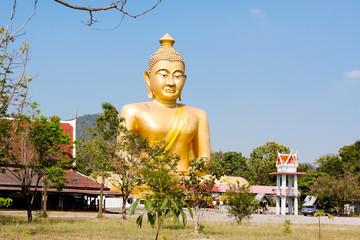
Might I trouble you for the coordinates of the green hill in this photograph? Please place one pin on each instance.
(83, 123)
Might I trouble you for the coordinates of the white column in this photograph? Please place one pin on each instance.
(283, 195)
(296, 203)
(278, 192)
(277, 205)
(290, 189)
(295, 185)
(290, 205)
(290, 192)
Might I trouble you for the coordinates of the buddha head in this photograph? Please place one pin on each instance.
(166, 77)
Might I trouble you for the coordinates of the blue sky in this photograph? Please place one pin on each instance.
(284, 71)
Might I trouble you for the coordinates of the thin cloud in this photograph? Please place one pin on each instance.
(257, 12)
(353, 76)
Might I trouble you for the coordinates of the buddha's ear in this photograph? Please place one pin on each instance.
(183, 86)
(147, 81)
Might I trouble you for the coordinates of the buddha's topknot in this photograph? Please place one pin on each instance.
(165, 52)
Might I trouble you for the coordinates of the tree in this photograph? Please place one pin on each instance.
(14, 81)
(306, 167)
(39, 152)
(241, 202)
(330, 164)
(118, 6)
(164, 196)
(350, 155)
(262, 161)
(95, 155)
(127, 164)
(216, 168)
(53, 151)
(94, 160)
(306, 181)
(113, 153)
(199, 188)
(229, 164)
(335, 192)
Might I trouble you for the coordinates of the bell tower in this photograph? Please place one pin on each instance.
(287, 191)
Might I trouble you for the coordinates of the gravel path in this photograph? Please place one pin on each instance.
(209, 215)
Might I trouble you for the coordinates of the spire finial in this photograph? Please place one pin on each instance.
(167, 40)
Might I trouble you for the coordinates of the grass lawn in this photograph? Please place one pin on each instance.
(110, 228)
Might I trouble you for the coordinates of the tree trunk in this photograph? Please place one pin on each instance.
(100, 213)
(159, 226)
(123, 208)
(319, 228)
(29, 207)
(197, 218)
(45, 201)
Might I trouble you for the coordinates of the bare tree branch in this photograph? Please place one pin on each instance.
(112, 6)
(6, 34)
(135, 16)
(118, 6)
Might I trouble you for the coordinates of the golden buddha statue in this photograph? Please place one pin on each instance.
(185, 129)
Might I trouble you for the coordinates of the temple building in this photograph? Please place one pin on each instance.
(80, 193)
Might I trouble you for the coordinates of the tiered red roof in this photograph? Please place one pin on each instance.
(286, 159)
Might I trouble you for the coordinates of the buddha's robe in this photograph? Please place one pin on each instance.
(181, 120)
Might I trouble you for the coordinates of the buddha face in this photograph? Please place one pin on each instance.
(166, 81)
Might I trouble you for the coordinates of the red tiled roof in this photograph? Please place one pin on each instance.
(263, 189)
(78, 183)
(254, 189)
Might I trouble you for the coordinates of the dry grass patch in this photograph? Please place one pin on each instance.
(110, 228)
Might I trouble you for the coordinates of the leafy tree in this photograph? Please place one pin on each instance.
(216, 168)
(53, 151)
(39, 152)
(199, 188)
(127, 164)
(330, 164)
(350, 155)
(306, 181)
(241, 202)
(86, 151)
(306, 167)
(262, 161)
(113, 153)
(335, 192)
(95, 155)
(228, 163)
(164, 196)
